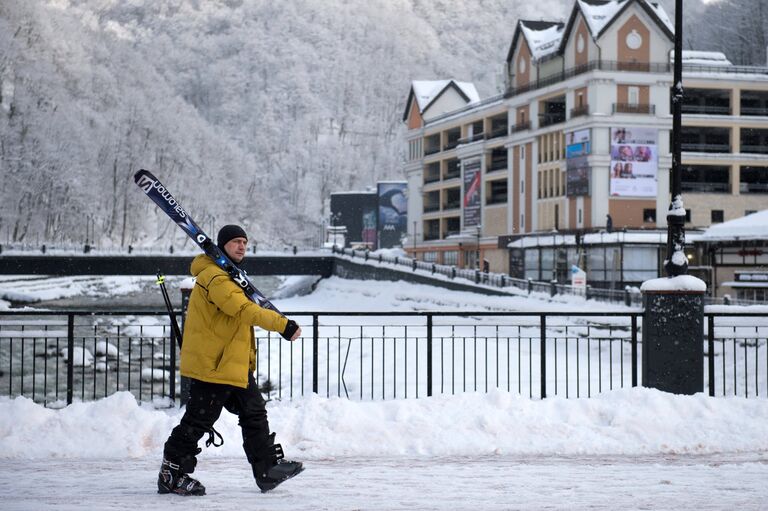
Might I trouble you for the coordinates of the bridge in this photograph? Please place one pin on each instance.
(150, 264)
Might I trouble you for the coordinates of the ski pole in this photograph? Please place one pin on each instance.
(167, 299)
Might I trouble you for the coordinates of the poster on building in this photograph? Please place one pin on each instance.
(577, 147)
(393, 213)
(471, 201)
(368, 233)
(634, 162)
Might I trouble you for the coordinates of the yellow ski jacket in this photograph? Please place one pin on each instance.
(219, 345)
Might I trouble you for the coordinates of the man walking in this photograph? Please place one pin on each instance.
(218, 354)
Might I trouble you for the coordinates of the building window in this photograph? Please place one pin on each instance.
(432, 230)
(754, 180)
(497, 192)
(430, 257)
(649, 215)
(706, 179)
(451, 257)
(717, 216)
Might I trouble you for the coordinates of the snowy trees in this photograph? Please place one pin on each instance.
(251, 111)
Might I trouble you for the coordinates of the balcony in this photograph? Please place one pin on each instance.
(705, 148)
(496, 133)
(707, 109)
(454, 204)
(431, 150)
(550, 119)
(523, 126)
(451, 144)
(472, 138)
(431, 208)
(754, 149)
(633, 108)
(580, 111)
(754, 111)
(699, 187)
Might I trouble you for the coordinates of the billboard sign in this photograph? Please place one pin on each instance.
(393, 213)
(471, 199)
(634, 162)
(577, 147)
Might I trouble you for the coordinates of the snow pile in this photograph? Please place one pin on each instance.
(625, 422)
(36, 288)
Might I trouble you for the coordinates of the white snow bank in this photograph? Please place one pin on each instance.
(633, 421)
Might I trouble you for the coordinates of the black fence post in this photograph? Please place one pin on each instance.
(543, 350)
(627, 298)
(433, 267)
(634, 351)
(553, 288)
(503, 281)
(530, 286)
(453, 272)
(315, 350)
(477, 276)
(70, 356)
(711, 354)
(414, 264)
(429, 355)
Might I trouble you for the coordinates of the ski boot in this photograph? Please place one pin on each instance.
(274, 470)
(173, 479)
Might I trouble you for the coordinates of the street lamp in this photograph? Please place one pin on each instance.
(676, 262)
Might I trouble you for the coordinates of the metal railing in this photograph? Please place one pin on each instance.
(55, 358)
(627, 296)
(376, 355)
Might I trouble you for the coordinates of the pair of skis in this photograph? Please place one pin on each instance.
(160, 195)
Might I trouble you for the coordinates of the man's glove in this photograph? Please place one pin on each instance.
(290, 329)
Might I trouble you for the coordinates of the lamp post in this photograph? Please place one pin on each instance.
(676, 262)
(479, 231)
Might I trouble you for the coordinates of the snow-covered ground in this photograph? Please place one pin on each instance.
(624, 449)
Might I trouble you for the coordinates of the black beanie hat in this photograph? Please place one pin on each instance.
(228, 233)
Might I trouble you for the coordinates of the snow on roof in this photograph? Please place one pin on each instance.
(750, 227)
(599, 13)
(710, 58)
(426, 91)
(598, 238)
(542, 41)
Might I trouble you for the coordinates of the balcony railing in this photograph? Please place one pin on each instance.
(706, 109)
(754, 148)
(633, 108)
(704, 187)
(754, 111)
(520, 127)
(706, 148)
(602, 65)
(431, 150)
(579, 111)
(451, 144)
(550, 119)
(753, 187)
(431, 208)
(431, 178)
(472, 138)
(451, 174)
(452, 205)
(497, 164)
(498, 132)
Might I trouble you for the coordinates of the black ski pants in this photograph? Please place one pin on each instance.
(206, 401)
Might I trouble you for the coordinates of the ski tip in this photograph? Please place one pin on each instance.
(143, 172)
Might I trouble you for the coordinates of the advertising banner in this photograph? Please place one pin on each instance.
(577, 146)
(393, 213)
(471, 201)
(634, 162)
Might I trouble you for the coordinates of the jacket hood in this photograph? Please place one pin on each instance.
(200, 263)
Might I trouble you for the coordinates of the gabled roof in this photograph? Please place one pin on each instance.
(600, 14)
(543, 37)
(427, 92)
